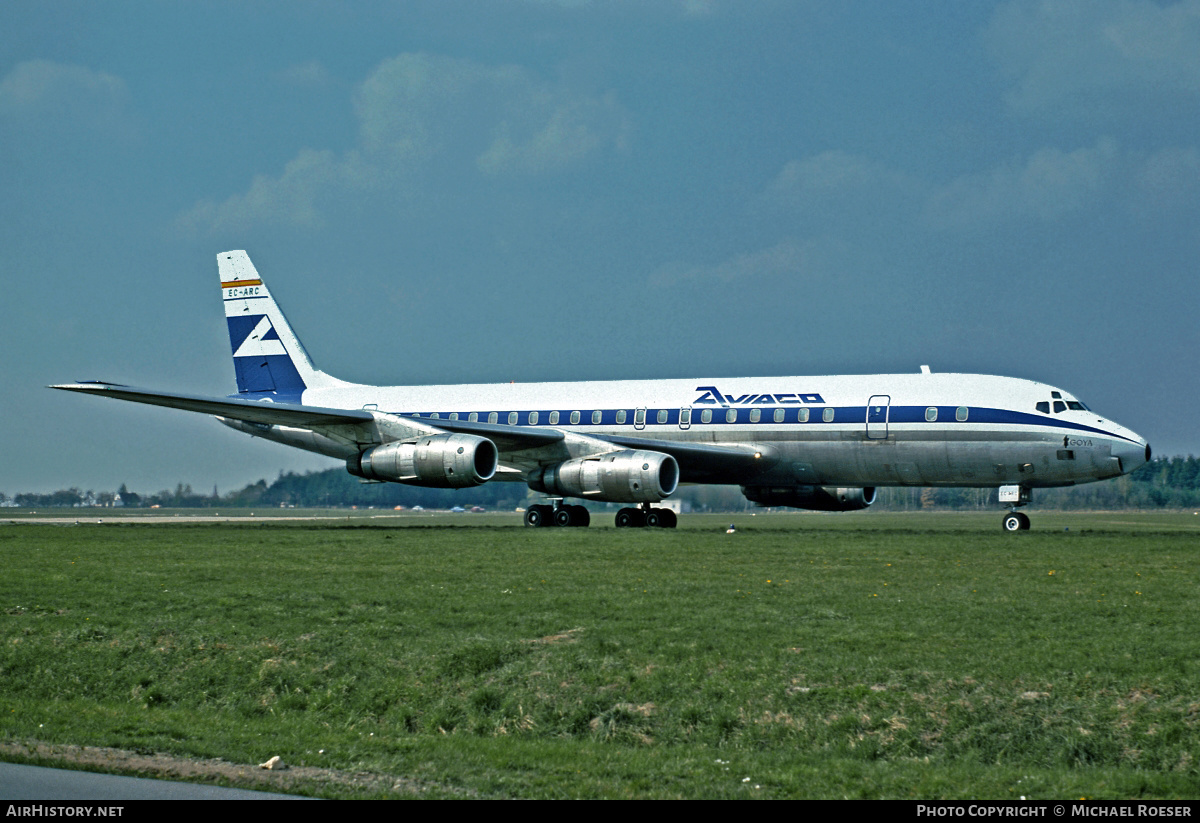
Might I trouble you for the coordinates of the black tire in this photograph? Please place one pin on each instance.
(580, 516)
(1015, 522)
(653, 518)
(628, 518)
(667, 518)
(538, 516)
(564, 516)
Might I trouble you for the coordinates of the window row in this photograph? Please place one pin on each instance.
(684, 418)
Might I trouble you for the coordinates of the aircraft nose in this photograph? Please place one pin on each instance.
(1133, 454)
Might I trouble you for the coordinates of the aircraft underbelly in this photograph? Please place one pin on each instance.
(988, 461)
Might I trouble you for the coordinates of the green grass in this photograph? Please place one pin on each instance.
(864, 655)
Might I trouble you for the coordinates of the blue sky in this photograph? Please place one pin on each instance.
(443, 192)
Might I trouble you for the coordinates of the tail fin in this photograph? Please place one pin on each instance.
(267, 355)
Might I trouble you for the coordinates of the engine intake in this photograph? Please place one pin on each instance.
(816, 498)
(441, 461)
(617, 477)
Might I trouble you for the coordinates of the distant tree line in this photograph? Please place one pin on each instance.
(1165, 482)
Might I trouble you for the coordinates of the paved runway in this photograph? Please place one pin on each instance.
(20, 782)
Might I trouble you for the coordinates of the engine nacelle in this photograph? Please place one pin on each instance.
(442, 461)
(816, 498)
(617, 477)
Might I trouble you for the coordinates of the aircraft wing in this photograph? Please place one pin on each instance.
(252, 411)
(698, 462)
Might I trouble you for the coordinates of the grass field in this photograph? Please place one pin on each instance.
(863, 655)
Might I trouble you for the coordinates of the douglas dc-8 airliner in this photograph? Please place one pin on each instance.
(823, 443)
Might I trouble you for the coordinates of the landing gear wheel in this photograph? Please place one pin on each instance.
(630, 518)
(580, 516)
(1016, 522)
(653, 520)
(667, 518)
(564, 516)
(539, 516)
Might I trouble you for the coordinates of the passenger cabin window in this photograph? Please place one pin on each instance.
(931, 414)
(662, 416)
(512, 418)
(1059, 406)
(553, 418)
(435, 414)
(533, 418)
(827, 415)
(493, 417)
(706, 416)
(755, 415)
(731, 416)
(779, 415)
(1044, 407)
(473, 417)
(802, 416)
(685, 417)
(620, 415)
(639, 417)
(596, 417)
(574, 418)
(960, 414)
(453, 415)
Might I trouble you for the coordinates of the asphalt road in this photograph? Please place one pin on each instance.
(19, 782)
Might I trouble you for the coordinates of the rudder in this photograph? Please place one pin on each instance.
(268, 358)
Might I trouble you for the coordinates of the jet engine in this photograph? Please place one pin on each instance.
(442, 461)
(816, 498)
(617, 477)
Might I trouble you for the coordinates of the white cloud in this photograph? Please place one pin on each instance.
(837, 194)
(419, 113)
(45, 94)
(786, 258)
(290, 198)
(1048, 185)
(836, 176)
(1072, 52)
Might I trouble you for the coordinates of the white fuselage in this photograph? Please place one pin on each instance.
(855, 430)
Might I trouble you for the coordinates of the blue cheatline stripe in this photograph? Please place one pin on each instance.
(842, 415)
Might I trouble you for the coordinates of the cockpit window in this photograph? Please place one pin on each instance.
(1059, 406)
(1044, 407)
(1075, 405)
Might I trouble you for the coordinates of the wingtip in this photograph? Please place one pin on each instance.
(86, 385)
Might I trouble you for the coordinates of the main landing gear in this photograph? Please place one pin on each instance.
(558, 514)
(646, 516)
(1016, 496)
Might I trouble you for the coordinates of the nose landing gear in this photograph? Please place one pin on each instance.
(1015, 521)
(1016, 496)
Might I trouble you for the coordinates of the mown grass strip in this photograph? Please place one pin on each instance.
(813, 656)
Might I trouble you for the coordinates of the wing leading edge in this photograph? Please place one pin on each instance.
(251, 411)
(698, 462)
